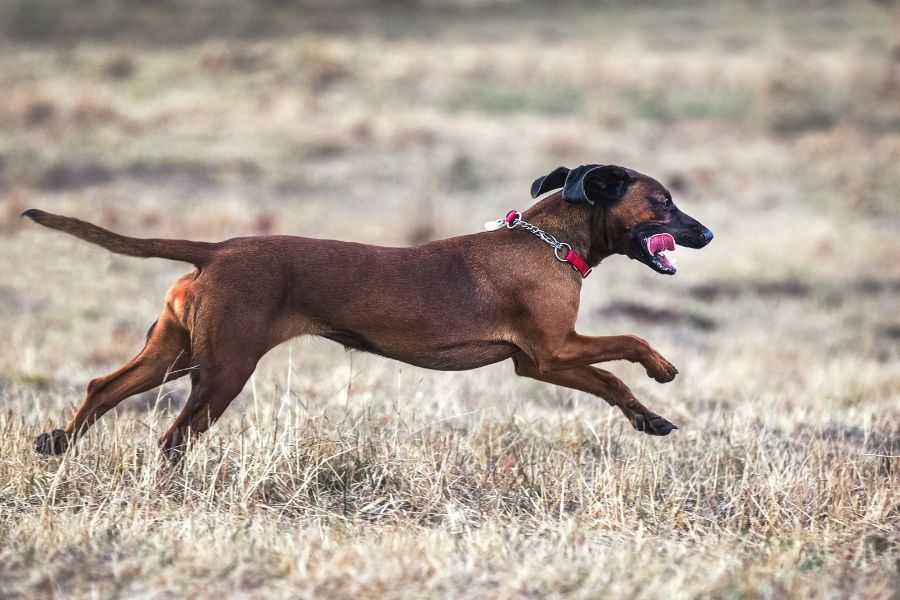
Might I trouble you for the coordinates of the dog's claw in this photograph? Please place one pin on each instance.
(653, 426)
(55, 442)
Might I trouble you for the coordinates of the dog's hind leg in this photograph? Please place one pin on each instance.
(165, 357)
(599, 383)
(223, 357)
(213, 387)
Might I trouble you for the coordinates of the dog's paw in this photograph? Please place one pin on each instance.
(653, 425)
(55, 442)
(662, 370)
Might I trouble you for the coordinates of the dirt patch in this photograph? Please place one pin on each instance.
(75, 175)
(37, 112)
(194, 172)
(855, 435)
(871, 285)
(118, 66)
(892, 332)
(710, 292)
(10, 300)
(648, 314)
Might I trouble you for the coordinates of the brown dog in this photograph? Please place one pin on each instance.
(453, 304)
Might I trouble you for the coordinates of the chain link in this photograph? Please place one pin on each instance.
(543, 235)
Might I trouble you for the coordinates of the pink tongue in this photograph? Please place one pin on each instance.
(660, 242)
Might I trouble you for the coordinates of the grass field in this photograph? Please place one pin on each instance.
(344, 475)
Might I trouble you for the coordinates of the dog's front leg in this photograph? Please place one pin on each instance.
(577, 350)
(603, 384)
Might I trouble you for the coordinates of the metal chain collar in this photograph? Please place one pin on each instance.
(543, 235)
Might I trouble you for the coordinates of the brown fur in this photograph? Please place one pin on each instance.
(452, 304)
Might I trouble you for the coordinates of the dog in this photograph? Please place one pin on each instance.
(452, 304)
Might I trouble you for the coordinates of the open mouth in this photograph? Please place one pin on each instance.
(657, 246)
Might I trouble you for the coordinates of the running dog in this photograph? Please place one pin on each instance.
(453, 304)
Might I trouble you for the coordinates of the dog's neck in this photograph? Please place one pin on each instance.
(574, 224)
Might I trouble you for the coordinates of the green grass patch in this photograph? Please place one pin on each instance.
(676, 105)
(493, 98)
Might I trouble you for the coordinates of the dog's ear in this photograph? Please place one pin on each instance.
(595, 184)
(552, 181)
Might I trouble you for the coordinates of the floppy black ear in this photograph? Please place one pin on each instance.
(552, 181)
(595, 183)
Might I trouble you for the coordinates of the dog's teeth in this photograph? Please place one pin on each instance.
(667, 258)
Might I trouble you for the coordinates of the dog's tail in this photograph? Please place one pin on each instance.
(198, 253)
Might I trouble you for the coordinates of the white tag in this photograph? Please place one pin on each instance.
(494, 225)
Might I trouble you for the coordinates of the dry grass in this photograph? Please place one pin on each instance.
(344, 475)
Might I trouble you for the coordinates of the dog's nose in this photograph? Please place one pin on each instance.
(707, 236)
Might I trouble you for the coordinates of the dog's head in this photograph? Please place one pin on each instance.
(633, 214)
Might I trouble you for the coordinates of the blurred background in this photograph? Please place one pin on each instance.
(777, 124)
(397, 122)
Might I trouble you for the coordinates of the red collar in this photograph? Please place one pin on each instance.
(562, 251)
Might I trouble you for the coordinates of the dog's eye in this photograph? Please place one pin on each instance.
(665, 202)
